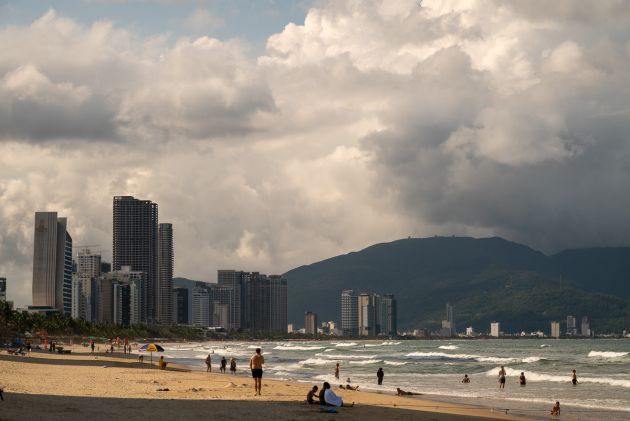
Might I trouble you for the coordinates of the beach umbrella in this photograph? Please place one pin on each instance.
(151, 348)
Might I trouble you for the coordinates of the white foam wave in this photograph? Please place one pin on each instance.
(345, 344)
(298, 348)
(457, 357)
(316, 361)
(328, 349)
(607, 354)
(448, 347)
(394, 362)
(545, 346)
(364, 362)
(532, 359)
(386, 343)
(344, 357)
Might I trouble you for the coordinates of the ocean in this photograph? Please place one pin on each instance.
(435, 369)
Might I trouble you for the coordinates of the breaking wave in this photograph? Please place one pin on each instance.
(607, 354)
(533, 376)
(364, 362)
(448, 347)
(470, 357)
(345, 344)
(298, 348)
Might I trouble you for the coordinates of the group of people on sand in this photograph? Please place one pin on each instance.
(326, 396)
(222, 364)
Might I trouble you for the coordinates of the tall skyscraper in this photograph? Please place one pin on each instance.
(180, 306)
(88, 270)
(238, 282)
(3, 290)
(165, 273)
(52, 263)
(135, 244)
(278, 317)
(555, 330)
(388, 324)
(448, 324)
(200, 306)
(571, 326)
(585, 328)
(349, 313)
(367, 315)
(310, 323)
(495, 329)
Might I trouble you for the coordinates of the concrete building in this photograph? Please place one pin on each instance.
(220, 314)
(200, 306)
(52, 263)
(238, 281)
(585, 327)
(571, 326)
(349, 313)
(495, 329)
(366, 315)
(135, 244)
(388, 323)
(555, 330)
(448, 324)
(88, 270)
(181, 305)
(278, 302)
(223, 297)
(165, 273)
(470, 332)
(3, 290)
(119, 296)
(310, 323)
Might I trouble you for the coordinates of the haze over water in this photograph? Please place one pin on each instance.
(436, 368)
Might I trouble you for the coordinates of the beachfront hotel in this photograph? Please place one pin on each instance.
(52, 264)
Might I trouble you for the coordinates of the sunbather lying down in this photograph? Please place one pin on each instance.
(348, 387)
(401, 392)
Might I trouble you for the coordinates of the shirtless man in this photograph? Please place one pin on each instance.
(256, 364)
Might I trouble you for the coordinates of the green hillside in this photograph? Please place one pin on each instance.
(486, 279)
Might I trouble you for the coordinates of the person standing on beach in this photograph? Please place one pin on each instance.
(502, 374)
(223, 365)
(208, 364)
(92, 346)
(380, 375)
(256, 365)
(574, 378)
(337, 371)
(233, 366)
(522, 380)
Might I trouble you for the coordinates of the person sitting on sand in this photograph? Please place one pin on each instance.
(556, 409)
(162, 364)
(140, 358)
(401, 392)
(331, 398)
(522, 380)
(322, 399)
(466, 379)
(310, 395)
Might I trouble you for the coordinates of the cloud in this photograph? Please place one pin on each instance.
(202, 21)
(369, 122)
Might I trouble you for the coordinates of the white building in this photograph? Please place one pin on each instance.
(470, 332)
(200, 307)
(495, 329)
(555, 330)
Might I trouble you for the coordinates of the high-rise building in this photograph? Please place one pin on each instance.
(571, 326)
(222, 297)
(3, 290)
(135, 244)
(310, 323)
(278, 303)
(237, 282)
(88, 270)
(448, 324)
(388, 323)
(470, 332)
(349, 313)
(165, 273)
(367, 315)
(200, 306)
(555, 329)
(495, 329)
(120, 296)
(220, 314)
(180, 306)
(585, 328)
(52, 263)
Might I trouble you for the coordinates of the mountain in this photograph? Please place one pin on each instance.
(485, 279)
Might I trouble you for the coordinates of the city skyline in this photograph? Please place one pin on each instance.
(257, 134)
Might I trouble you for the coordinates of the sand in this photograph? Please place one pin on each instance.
(82, 386)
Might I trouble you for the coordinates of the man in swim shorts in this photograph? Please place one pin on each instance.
(256, 365)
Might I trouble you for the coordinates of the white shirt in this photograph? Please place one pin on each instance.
(331, 398)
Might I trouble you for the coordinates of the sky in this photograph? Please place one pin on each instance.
(274, 134)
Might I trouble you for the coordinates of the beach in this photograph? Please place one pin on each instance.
(82, 386)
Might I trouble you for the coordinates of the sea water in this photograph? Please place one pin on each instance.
(435, 368)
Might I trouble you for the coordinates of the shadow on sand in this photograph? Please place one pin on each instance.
(18, 406)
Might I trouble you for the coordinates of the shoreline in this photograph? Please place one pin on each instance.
(119, 385)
